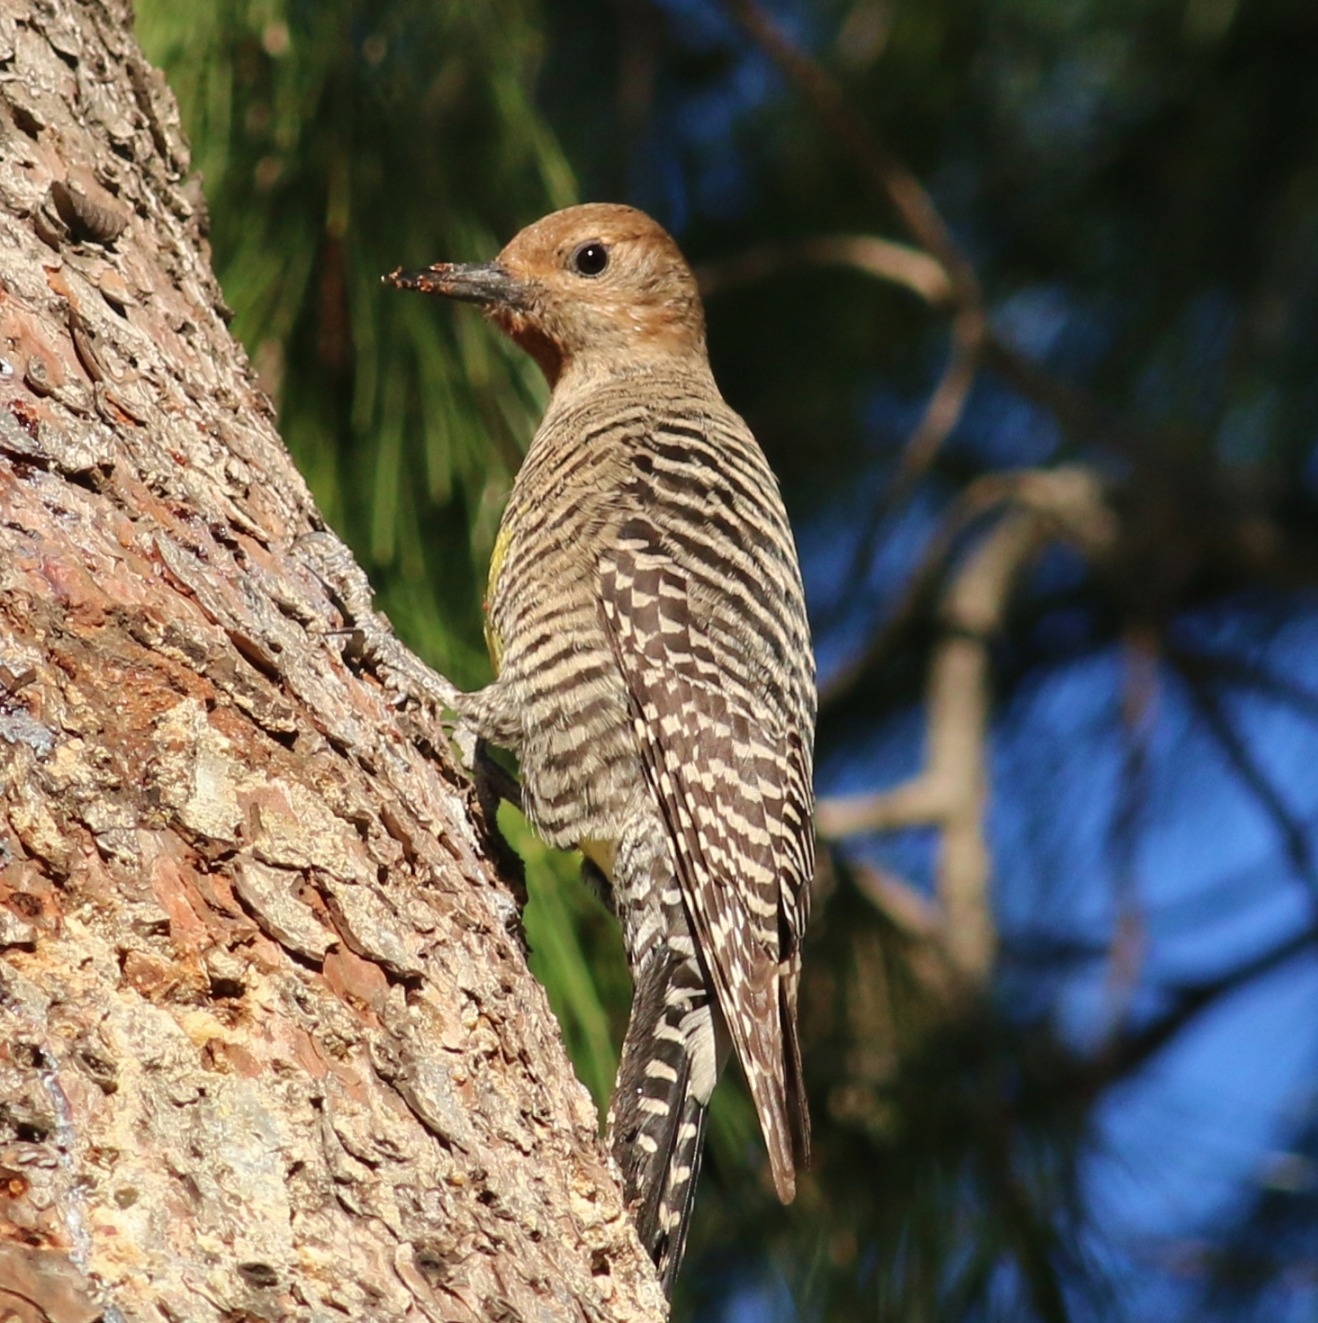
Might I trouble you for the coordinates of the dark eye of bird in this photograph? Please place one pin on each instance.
(590, 259)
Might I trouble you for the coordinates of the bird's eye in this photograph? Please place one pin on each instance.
(589, 259)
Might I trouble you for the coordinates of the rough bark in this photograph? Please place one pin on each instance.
(268, 1048)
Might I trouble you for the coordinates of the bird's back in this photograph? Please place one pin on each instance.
(663, 447)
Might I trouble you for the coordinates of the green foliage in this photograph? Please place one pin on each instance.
(576, 952)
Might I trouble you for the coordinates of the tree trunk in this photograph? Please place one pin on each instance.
(268, 1049)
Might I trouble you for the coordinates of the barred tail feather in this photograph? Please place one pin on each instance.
(666, 1239)
(657, 1117)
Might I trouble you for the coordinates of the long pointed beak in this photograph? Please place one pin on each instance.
(473, 282)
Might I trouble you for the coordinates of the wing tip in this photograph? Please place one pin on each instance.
(784, 1180)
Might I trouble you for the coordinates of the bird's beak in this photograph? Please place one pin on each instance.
(473, 282)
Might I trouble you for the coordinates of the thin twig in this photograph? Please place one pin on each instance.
(952, 791)
(871, 158)
(1077, 412)
(1131, 1051)
(973, 504)
(909, 912)
(920, 802)
(921, 926)
(959, 287)
(1290, 828)
(1129, 945)
(896, 263)
(942, 412)
(1242, 674)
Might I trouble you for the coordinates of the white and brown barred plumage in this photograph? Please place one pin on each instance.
(655, 679)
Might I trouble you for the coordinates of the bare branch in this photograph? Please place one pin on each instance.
(908, 911)
(919, 802)
(1243, 674)
(920, 923)
(942, 274)
(942, 413)
(959, 698)
(927, 276)
(885, 172)
(882, 258)
(947, 403)
(952, 791)
(1070, 499)
(1077, 412)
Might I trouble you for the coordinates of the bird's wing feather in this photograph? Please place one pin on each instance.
(733, 788)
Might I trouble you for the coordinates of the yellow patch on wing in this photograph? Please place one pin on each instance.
(497, 557)
(600, 853)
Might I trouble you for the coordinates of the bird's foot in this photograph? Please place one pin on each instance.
(370, 641)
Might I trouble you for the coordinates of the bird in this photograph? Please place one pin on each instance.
(655, 679)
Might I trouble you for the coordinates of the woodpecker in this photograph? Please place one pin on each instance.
(654, 677)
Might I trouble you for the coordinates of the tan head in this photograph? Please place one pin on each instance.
(596, 289)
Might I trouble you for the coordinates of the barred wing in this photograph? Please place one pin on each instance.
(731, 779)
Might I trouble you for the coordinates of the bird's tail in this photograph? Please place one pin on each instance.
(670, 1061)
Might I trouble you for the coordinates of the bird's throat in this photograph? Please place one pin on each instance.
(529, 337)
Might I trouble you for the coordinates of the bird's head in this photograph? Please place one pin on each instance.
(593, 290)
